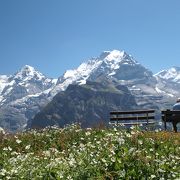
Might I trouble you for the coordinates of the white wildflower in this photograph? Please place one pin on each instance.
(3, 172)
(161, 170)
(69, 177)
(153, 176)
(88, 133)
(14, 171)
(47, 153)
(18, 141)
(81, 145)
(103, 160)
(72, 161)
(5, 149)
(140, 142)
(121, 141)
(14, 153)
(9, 148)
(113, 159)
(128, 135)
(27, 147)
(131, 150)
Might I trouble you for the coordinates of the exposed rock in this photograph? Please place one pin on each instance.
(88, 104)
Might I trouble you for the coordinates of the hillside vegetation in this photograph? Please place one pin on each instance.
(99, 153)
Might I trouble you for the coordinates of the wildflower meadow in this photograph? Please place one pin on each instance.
(93, 153)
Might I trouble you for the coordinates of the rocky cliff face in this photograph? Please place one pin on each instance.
(88, 104)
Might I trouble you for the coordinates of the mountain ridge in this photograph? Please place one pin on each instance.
(147, 89)
(28, 91)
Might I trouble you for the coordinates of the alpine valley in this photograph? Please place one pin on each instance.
(112, 81)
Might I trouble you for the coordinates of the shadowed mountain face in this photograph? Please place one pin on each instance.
(88, 104)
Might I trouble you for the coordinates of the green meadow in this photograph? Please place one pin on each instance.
(94, 153)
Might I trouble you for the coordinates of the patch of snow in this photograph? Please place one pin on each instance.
(81, 82)
(115, 55)
(163, 92)
(8, 91)
(158, 90)
(3, 82)
(177, 78)
(134, 89)
(1, 98)
(81, 74)
(47, 91)
(172, 74)
(171, 95)
(112, 73)
(54, 81)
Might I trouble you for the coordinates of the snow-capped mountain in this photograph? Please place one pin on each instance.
(171, 75)
(24, 93)
(26, 82)
(115, 64)
(146, 87)
(168, 82)
(148, 90)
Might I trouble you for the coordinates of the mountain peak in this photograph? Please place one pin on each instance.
(112, 55)
(115, 54)
(28, 67)
(28, 72)
(175, 68)
(172, 74)
(116, 57)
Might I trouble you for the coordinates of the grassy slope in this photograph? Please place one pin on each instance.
(75, 153)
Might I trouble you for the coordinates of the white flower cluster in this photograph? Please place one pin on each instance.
(75, 153)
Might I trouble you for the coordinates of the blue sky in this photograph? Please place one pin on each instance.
(57, 35)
